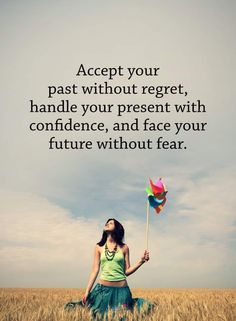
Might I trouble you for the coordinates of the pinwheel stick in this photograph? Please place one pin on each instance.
(147, 225)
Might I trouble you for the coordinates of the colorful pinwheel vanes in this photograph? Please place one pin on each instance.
(157, 195)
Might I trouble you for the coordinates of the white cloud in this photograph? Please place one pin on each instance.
(210, 203)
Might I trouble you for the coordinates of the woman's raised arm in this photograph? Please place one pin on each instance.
(131, 269)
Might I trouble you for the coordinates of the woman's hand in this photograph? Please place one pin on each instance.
(145, 256)
(84, 299)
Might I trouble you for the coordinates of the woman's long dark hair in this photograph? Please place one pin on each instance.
(118, 233)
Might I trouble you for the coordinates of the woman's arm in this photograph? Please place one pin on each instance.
(131, 269)
(95, 269)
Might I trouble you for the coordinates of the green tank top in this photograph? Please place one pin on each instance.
(113, 270)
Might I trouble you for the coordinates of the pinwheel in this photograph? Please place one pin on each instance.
(156, 199)
(157, 195)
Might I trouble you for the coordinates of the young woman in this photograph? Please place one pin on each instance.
(112, 290)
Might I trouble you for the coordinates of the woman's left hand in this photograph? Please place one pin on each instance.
(145, 256)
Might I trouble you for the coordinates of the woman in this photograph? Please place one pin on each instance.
(112, 290)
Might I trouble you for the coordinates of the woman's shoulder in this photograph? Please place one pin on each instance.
(98, 247)
(124, 248)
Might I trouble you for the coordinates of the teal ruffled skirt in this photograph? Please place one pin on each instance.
(104, 298)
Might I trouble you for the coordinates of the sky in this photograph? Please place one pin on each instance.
(54, 203)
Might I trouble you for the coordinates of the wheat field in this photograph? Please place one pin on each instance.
(18, 304)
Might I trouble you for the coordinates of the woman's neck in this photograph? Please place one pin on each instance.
(110, 239)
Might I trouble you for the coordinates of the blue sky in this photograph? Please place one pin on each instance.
(54, 203)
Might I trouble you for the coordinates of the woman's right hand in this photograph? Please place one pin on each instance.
(84, 298)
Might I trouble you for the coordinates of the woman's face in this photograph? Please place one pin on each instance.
(109, 226)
